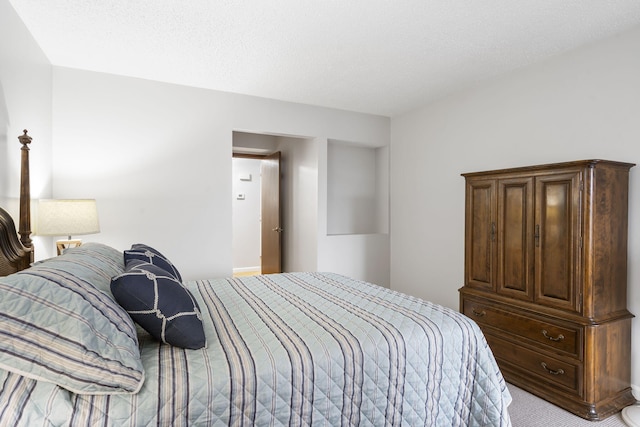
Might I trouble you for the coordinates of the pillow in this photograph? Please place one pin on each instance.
(95, 263)
(60, 324)
(152, 256)
(160, 304)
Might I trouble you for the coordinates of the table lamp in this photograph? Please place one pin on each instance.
(67, 217)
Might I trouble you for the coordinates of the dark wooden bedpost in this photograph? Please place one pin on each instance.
(25, 194)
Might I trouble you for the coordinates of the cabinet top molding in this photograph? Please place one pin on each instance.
(578, 163)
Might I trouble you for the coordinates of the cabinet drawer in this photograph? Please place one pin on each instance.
(554, 337)
(527, 363)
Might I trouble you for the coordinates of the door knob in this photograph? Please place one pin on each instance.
(278, 229)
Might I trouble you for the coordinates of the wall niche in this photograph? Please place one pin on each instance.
(357, 188)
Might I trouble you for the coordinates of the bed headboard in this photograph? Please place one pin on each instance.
(17, 253)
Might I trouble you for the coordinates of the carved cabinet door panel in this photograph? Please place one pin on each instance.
(557, 238)
(480, 234)
(515, 241)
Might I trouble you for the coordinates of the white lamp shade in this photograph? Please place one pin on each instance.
(65, 217)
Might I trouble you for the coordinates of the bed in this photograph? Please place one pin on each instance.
(306, 348)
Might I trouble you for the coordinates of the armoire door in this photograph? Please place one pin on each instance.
(480, 234)
(557, 240)
(515, 243)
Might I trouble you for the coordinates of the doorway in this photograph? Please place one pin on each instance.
(257, 226)
(298, 198)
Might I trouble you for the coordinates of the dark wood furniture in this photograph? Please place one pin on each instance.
(546, 280)
(17, 253)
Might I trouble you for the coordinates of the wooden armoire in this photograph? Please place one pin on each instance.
(546, 280)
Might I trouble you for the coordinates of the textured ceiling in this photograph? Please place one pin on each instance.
(376, 56)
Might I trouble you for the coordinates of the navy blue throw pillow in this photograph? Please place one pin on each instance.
(160, 304)
(152, 256)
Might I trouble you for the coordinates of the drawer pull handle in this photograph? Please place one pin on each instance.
(478, 313)
(546, 335)
(551, 371)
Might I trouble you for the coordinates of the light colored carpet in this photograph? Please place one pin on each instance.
(245, 273)
(527, 410)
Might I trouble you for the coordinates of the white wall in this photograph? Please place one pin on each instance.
(585, 104)
(25, 103)
(157, 157)
(363, 256)
(299, 193)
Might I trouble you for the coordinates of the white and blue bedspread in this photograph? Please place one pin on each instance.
(294, 349)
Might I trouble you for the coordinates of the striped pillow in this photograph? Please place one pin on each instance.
(60, 324)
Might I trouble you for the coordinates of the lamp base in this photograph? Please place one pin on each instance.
(66, 244)
(631, 415)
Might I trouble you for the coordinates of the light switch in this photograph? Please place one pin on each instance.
(245, 177)
(240, 196)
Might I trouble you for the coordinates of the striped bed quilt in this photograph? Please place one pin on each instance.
(293, 349)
